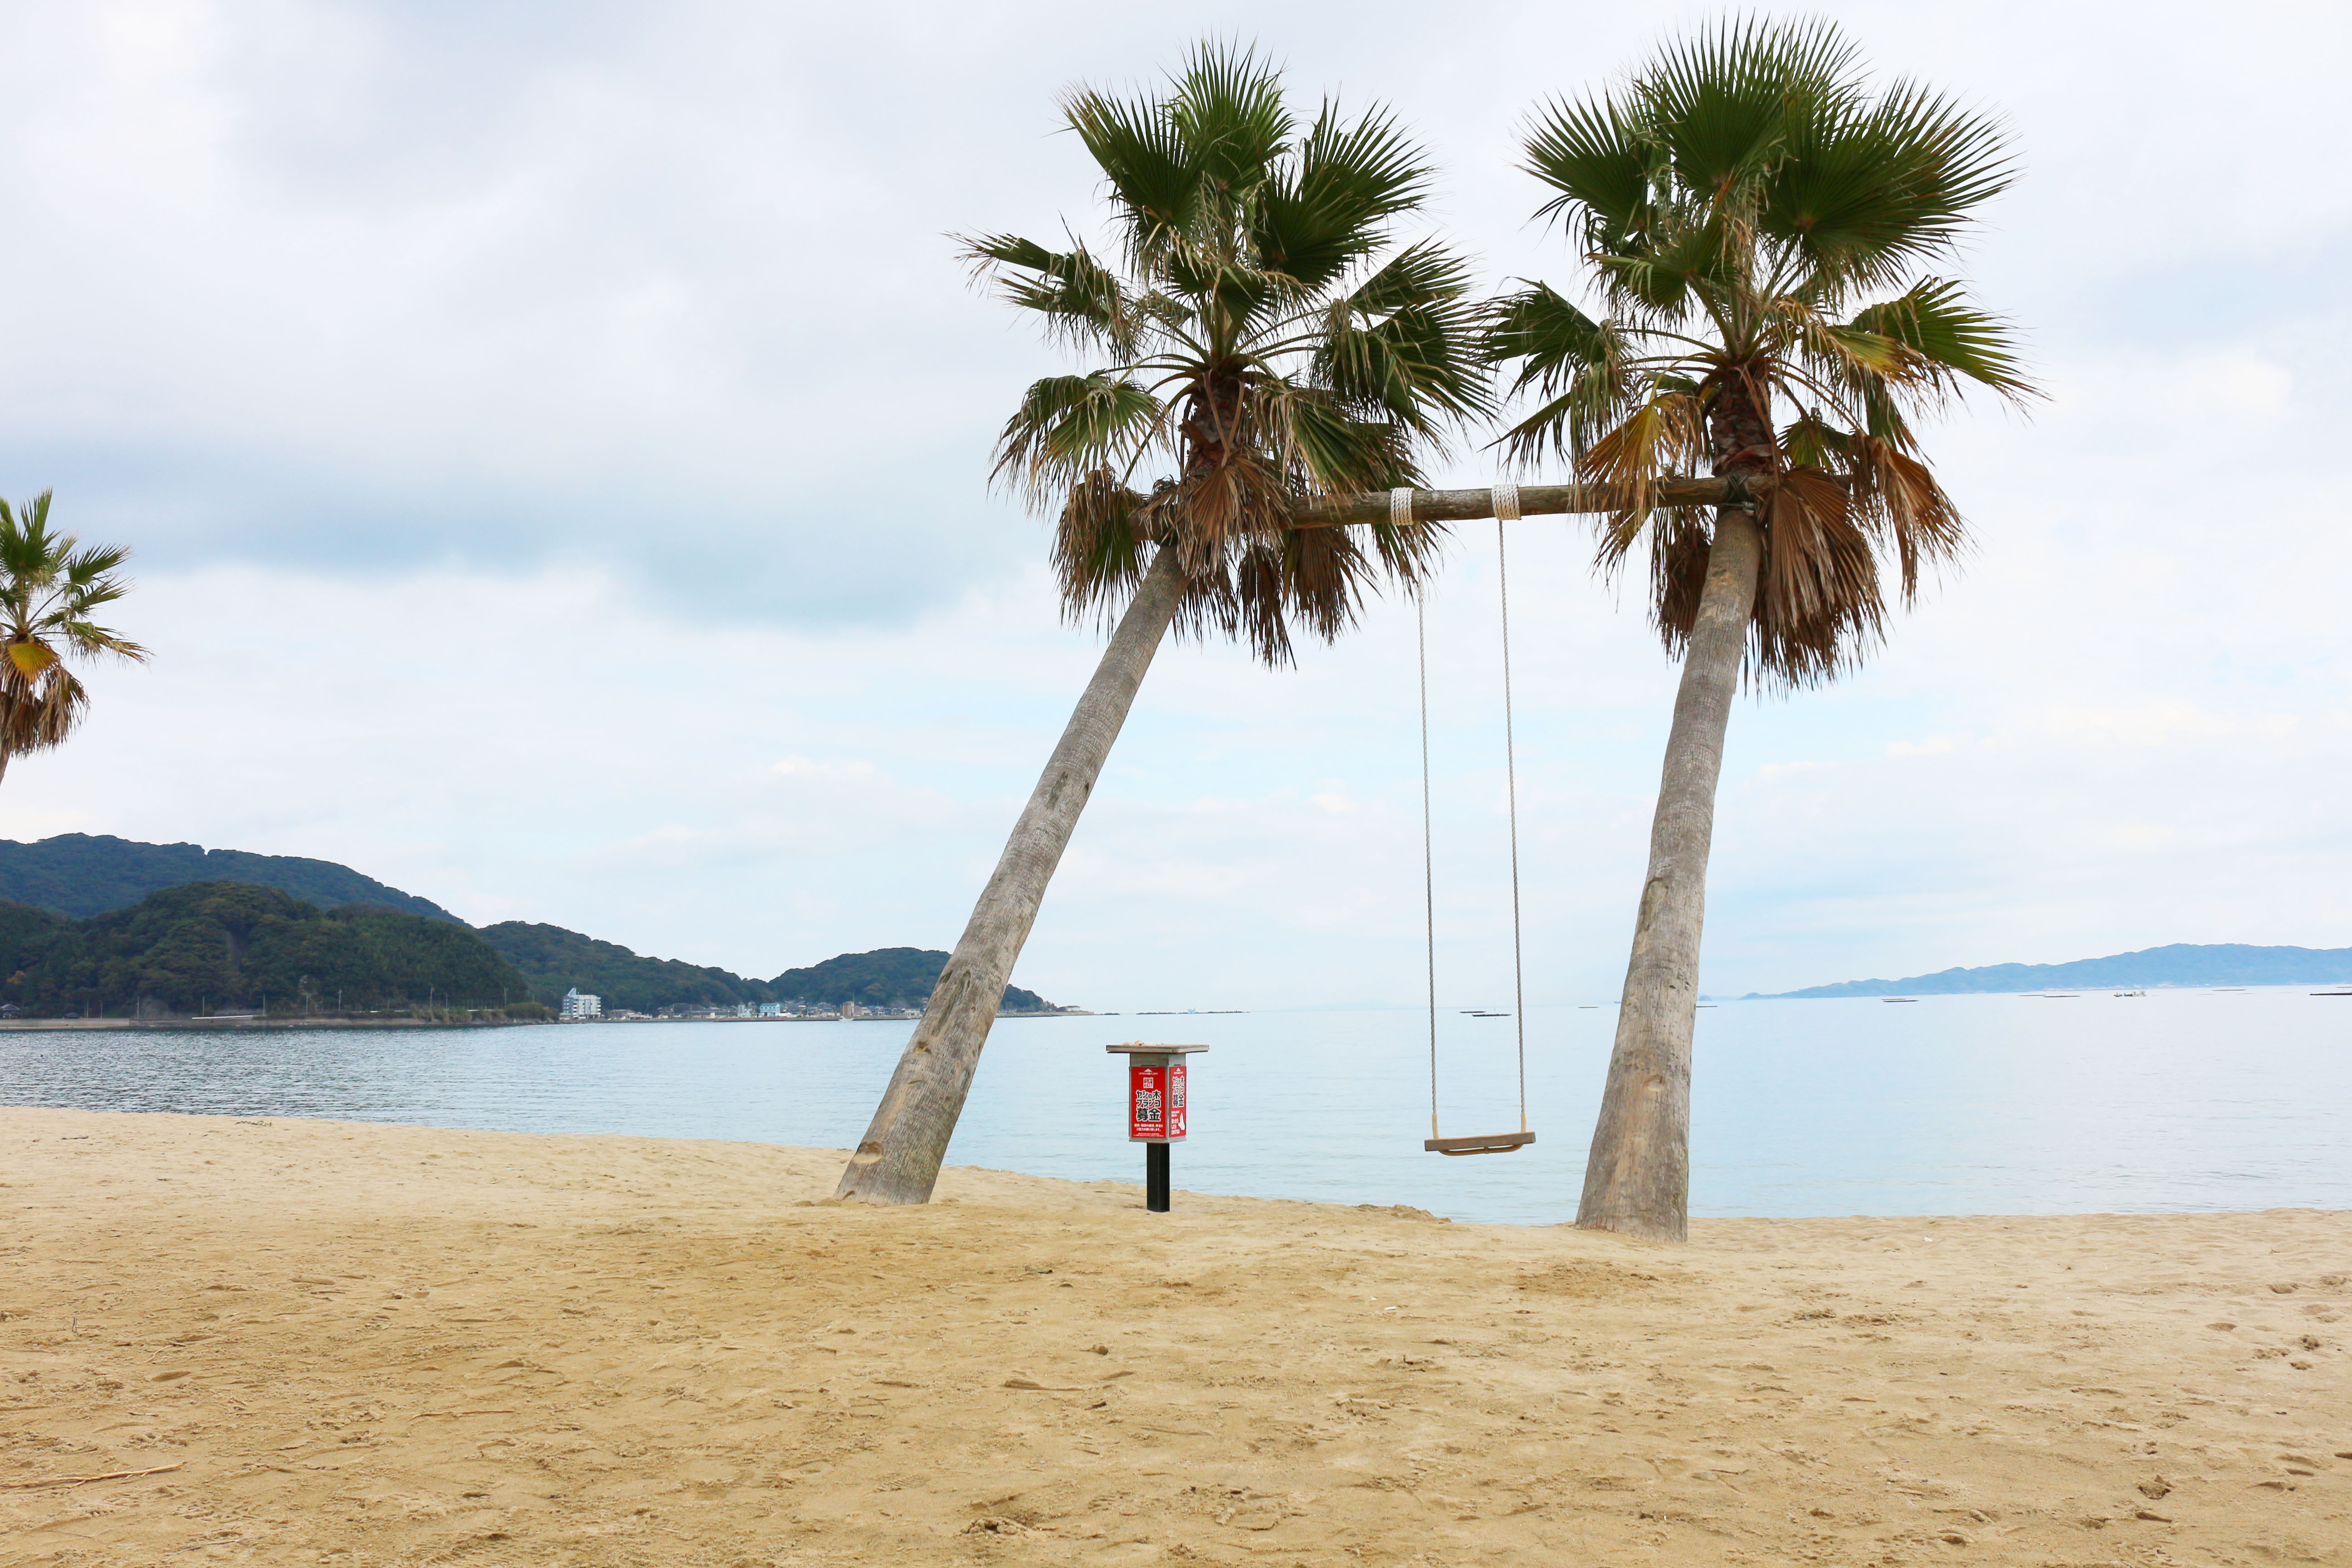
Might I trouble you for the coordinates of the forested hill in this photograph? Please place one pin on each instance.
(556, 960)
(228, 946)
(2182, 963)
(78, 875)
(886, 977)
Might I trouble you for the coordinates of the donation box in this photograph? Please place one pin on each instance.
(1155, 1101)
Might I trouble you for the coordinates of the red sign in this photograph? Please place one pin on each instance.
(1155, 1103)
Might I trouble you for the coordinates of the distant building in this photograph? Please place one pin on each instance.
(577, 1006)
(772, 1009)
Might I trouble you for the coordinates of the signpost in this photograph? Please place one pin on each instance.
(1155, 1109)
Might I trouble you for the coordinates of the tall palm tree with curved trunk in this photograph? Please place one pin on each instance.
(51, 585)
(1261, 338)
(1762, 232)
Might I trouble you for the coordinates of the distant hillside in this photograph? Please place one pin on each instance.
(229, 945)
(886, 977)
(2182, 963)
(555, 960)
(77, 876)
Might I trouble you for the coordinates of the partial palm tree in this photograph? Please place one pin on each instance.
(1260, 336)
(1762, 233)
(50, 585)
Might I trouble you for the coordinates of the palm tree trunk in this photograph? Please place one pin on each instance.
(1637, 1178)
(899, 1160)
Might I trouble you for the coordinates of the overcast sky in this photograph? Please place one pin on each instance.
(554, 439)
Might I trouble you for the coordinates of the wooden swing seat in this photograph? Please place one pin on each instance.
(1490, 1144)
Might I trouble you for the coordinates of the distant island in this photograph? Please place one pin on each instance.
(2182, 963)
(888, 979)
(94, 923)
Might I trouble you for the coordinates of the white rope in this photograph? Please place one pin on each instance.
(1428, 854)
(1507, 507)
(1401, 506)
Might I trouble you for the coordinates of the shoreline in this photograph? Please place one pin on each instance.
(47, 1025)
(41, 1026)
(395, 1343)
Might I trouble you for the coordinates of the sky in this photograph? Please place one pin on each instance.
(554, 440)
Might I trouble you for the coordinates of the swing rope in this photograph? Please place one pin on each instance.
(1401, 515)
(1506, 498)
(1506, 510)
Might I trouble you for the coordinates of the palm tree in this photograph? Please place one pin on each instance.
(1261, 339)
(50, 586)
(1761, 231)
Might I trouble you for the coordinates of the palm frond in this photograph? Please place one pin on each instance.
(1723, 103)
(1934, 320)
(1083, 301)
(1155, 182)
(1874, 190)
(1228, 113)
(1067, 426)
(1665, 433)
(1322, 212)
(1403, 345)
(1576, 361)
(1601, 167)
(1099, 545)
(1331, 449)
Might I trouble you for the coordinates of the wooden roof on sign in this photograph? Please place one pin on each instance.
(1137, 1047)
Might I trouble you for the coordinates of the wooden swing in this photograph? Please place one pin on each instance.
(1507, 508)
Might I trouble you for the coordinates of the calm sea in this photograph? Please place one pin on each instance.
(2175, 1100)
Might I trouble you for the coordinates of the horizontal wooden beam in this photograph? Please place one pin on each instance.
(1456, 506)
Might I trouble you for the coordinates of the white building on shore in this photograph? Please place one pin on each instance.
(576, 1007)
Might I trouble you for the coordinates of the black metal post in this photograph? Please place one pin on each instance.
(1155, 1178)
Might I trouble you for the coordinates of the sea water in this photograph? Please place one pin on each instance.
(1996, 1104)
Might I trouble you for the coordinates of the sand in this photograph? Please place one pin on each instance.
(365, 1344)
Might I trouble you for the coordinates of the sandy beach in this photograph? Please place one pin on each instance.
(356, 1344)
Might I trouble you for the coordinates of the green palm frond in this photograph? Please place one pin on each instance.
(1155, 186)
(1934, 320)
(1082, 301)
(1723, 104)
(1228, 113)
(1403, 344)
(1321, 212)
(1874, 193)
(1067, 426)
(1602, 170)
